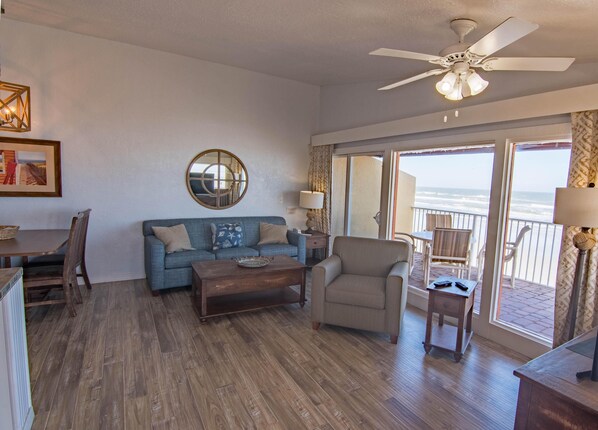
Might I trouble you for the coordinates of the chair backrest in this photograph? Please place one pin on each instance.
(450, 244)
(87, 213)
(369, 257)
(520, 235)
(76, 244)
(438, 221)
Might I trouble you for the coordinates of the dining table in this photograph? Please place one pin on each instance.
(32, 243)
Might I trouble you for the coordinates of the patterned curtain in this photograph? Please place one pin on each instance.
(582, 170)
(320, 179)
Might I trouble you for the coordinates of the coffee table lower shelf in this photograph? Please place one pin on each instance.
(244, 302)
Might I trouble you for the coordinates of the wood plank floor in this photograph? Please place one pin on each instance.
(130, 360)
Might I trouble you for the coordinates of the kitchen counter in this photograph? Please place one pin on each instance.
(8, 278)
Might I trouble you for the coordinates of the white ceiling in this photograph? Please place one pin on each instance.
(323, 42)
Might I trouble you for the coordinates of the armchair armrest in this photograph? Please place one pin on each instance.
(155, 253)
(300, 241)
(397, 283)
(321, 276)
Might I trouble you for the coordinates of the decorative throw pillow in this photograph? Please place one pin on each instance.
(175, 238)
(272, 233)
(227, 235)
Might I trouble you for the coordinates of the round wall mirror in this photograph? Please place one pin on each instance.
(217, 179)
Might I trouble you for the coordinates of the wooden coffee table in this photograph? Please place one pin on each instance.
(221, 287)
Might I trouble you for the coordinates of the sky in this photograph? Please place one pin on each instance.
(540, 171)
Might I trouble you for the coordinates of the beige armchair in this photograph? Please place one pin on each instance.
(362, 285)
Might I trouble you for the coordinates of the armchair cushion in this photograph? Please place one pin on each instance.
(357, 290)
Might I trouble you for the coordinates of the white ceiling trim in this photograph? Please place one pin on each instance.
(538, 105)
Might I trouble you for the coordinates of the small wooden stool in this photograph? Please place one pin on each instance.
(455, 303)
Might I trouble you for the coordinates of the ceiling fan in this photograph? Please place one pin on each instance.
(460, 60)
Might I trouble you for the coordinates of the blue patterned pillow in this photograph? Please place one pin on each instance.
(225, 235)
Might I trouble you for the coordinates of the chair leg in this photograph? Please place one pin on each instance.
(75, 287)
(394, 338)
(85, 275)
(68, 298)
(315, 325)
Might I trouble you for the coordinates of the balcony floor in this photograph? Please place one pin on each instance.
(528, 305)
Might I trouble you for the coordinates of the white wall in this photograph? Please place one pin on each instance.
(130, 120)
(355, 105)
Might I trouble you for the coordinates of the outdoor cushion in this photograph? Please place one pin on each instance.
(184, 259)
(241, 251)
(276, 249)
(357, 290)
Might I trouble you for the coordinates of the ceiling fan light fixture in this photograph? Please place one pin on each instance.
(456, 94)
(447, 84)
(476, 83)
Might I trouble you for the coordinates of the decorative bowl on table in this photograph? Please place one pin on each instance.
(253, 262)
(8, 231)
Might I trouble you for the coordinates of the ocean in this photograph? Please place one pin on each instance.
(526, 205)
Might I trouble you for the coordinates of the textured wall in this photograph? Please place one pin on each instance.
(131, 119)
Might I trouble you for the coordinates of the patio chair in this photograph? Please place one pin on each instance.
(409, 240)
(511, 254)
(449, 250)
(438, 221)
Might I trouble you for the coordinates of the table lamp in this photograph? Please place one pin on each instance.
(579, 207)
(311, 200)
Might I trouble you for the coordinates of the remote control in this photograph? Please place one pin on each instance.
(443, 284)
(461, 286)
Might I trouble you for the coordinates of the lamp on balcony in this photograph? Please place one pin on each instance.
(579, 207)
(311, 200)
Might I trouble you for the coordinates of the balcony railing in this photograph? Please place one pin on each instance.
(538, 254)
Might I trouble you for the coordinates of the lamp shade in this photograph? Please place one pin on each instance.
(576, 207)
(311, 200)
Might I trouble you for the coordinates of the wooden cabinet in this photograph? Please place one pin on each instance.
(16, 411)
(551, 397)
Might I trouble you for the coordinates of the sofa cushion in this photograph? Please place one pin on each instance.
(227, 235)
(184, 259)
(357, 290)
(175, 238)
(272, 233)
(276, 249)
(241, 251)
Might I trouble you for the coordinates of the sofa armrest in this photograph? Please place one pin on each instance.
(154, 262)
(321, 276)
(300, 241)
(397, 283)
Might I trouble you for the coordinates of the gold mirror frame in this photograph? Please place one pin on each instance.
(223, 198)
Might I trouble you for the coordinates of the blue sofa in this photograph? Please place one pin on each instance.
(174, 270)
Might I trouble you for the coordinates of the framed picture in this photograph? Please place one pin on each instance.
(29, 168)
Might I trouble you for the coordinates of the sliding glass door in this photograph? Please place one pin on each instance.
(356, 195)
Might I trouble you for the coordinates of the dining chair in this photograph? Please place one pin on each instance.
(438, 221)
(58, 258)
(44, 279)
(511, 254)
(449, 250)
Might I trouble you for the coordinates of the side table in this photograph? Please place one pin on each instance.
(317, 240)
(455, 303)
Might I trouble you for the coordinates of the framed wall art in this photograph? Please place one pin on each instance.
(29, 168)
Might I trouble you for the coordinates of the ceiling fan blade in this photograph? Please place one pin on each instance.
(414, 78)
(539, 64)
(386, 52)
(506, 33)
